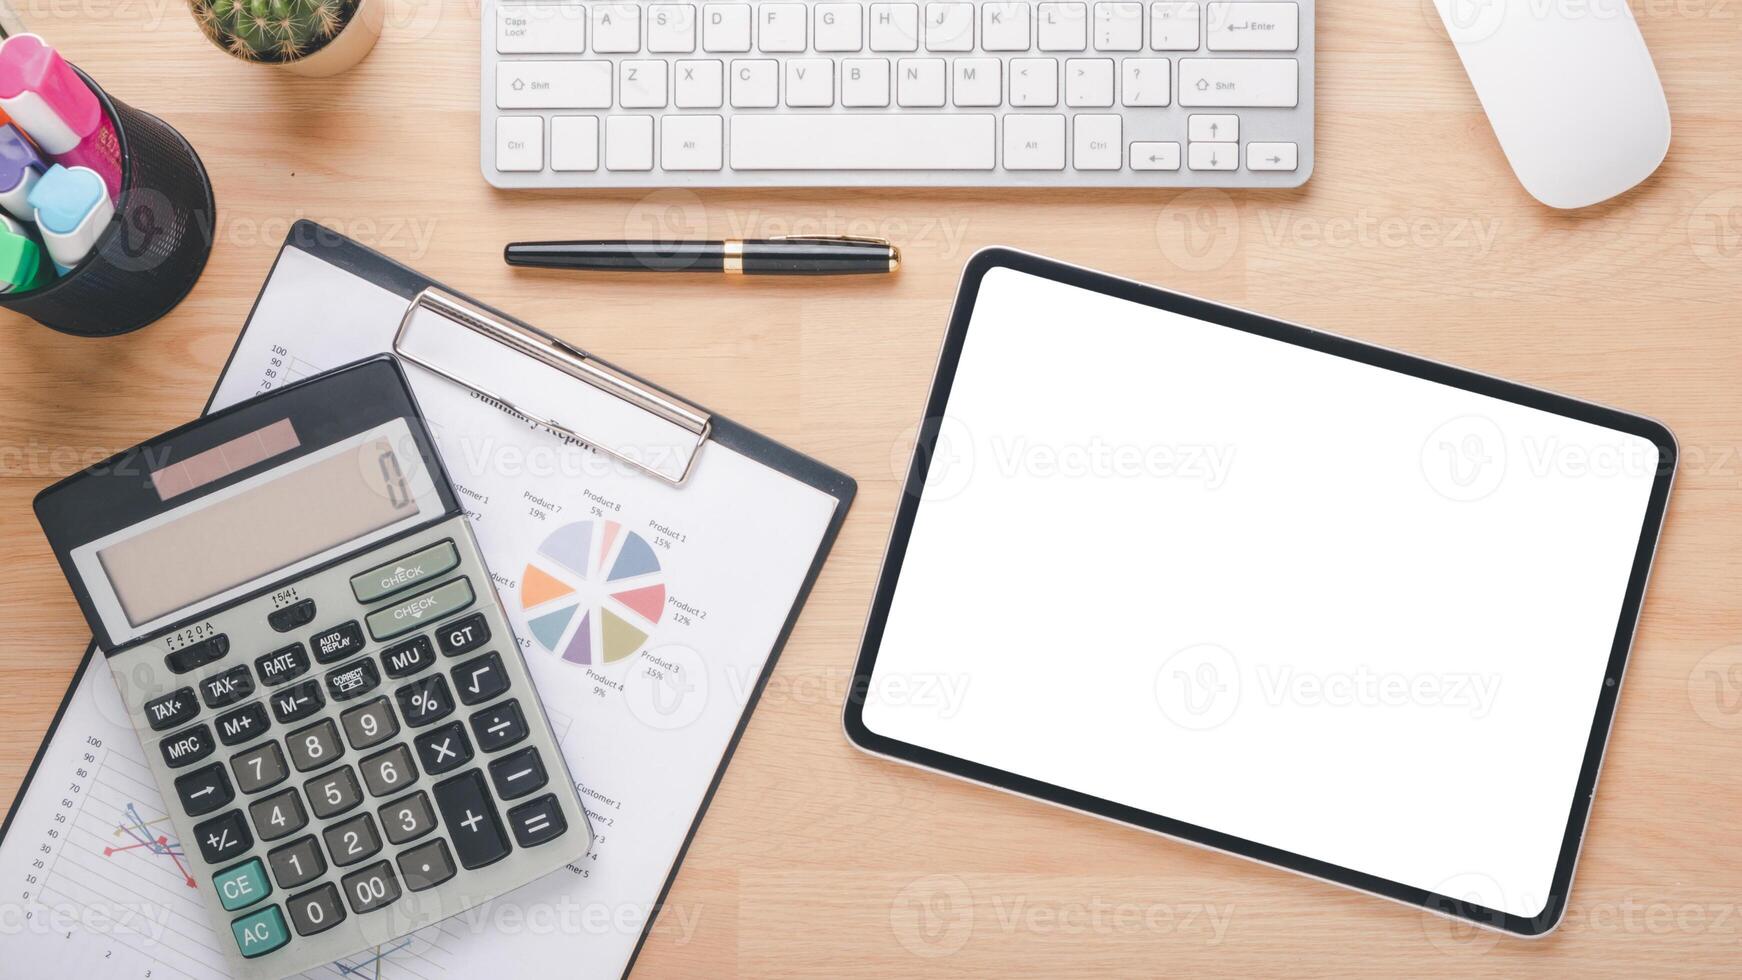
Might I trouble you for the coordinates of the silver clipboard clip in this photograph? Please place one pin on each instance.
(677, 429)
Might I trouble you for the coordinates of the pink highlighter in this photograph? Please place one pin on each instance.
(56, 109)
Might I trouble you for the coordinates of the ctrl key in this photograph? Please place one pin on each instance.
(519, 143)
(261, 932)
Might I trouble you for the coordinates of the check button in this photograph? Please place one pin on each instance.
(413, 569)
(421, 609)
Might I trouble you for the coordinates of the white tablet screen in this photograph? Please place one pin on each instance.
(1276, 593)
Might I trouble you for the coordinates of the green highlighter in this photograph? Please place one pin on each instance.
(21, 265)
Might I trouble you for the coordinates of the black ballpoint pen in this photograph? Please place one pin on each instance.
(795, 256)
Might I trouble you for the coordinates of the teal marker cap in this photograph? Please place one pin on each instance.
(64, 198)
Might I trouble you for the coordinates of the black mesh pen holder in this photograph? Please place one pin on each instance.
(152, 253)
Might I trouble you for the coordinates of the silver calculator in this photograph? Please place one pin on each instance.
(308, 642)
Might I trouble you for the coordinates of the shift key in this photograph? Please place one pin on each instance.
(553, 85)
(1239, 82)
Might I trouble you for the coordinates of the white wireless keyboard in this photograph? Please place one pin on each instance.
(967, 94)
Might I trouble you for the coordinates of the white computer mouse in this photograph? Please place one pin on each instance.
(1570, 90)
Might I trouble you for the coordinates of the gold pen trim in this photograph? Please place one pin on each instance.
(732, 261)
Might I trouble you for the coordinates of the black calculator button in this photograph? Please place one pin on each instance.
(316, 910)
(295, 703)
(354, 681)
(172, 709)
(261, 767)
(227, 688)
(296, 863)
(518, 773)
(315, 746)
(470, 817)
(196, 655)
(243, 724)
(368, 725)
(333, 793)
(464, 635)
(480, 678)
(426, 865)
(337, 643)
(371, 888)
(352, 841)
(537, 821)
(499, 726)
(405, 659)
(425, 701)
(278, 815)
(407, 818)
(389, 772)
(443, 749)
(204, 790)
(187, 747)
(224, 837)
(293, 616)
(283, 664)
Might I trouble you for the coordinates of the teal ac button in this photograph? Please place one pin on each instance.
(261, 932)
(242, 885)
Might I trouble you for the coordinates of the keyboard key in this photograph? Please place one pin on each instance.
(501, 725)
(574, 143)
(698, 85)
(919, 82)
(691, 142)
(204, 790)
(810, 82)
(407, 818)
(949, 27)
(977, 82)
(337, 643)
(443, 749)
(1089, 83)
(726, 27)
(371, 888)
(1272, 156)
(1004, 26)
(227, 688)
(839, 27)
(196, 655)
(172, 709)
(426, 865)
(1144, 82)
(538, 28)
(780, 27)
(1154, 156)
(297, 862)
(318, 909)
(798, 141)
(1097, 142)
(185, 748)
(315, 746)
(368, 725)
(425, 701)
(1034, 82)
(333, 793)
(282, 665)
(259, 933)
(865, 82)
(242, 724)
(1064, 26)
(405, 659)
(480, 679)
(1173, 26)
(293, 704)
(353, 840)
(1118, 27)
(261, 767)
(278, 815)
(223, 837)
(426, 607)
(1253, 26)
(671, 28)
(755, 84)
(471, 819)
(1034, 142)
(1265, 82)
(518, 773)
(1202, 128)
(354, 681)
(388, 772)
(895, 27)
(641, 84)
(629, 143)
(537, 821)
(294, 616)
(616, 28)
(519, 144)
(1213, 156)
(241, 886)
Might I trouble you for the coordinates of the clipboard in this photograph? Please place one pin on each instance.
(686, 428)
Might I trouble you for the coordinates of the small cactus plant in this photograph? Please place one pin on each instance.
(272, 30)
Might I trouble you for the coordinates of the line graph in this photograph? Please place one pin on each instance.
(145, 838)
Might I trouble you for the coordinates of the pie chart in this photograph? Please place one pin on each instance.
(593, 592)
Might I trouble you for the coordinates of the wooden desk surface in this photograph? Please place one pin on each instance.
(819, 860)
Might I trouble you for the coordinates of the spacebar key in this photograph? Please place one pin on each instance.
(849, 141)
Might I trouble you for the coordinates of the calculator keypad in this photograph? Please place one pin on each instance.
(316, 910)
(224, 837)
(427, 865)
(204, 790)
(283, 665)
(259, 768)
(297, 863)
(314, 746)
(172, 709)
(243, 724)
(480, 679)
(187, 747)
(353, 681)
(227, 688)
(465, 635)
(409, 657)
(337, 643)
(426, 701)
(443, 749)
(353, 840)
(389, 772)
(368, 725)
(295, 703)
(278, 815)
(333, 793)
(370, 888)
(408, 818)
(471, 819)
(499, 726)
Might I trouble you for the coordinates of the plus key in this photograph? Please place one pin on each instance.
(470, 816)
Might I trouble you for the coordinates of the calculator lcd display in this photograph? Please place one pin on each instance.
(298, 510)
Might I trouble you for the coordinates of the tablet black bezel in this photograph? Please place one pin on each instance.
(1151, 296)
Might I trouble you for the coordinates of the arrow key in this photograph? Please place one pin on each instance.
(1213, 156)
(1154, 156)
(1272, 156)
(1201, 128)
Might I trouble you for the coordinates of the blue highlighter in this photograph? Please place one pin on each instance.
(72, 208)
